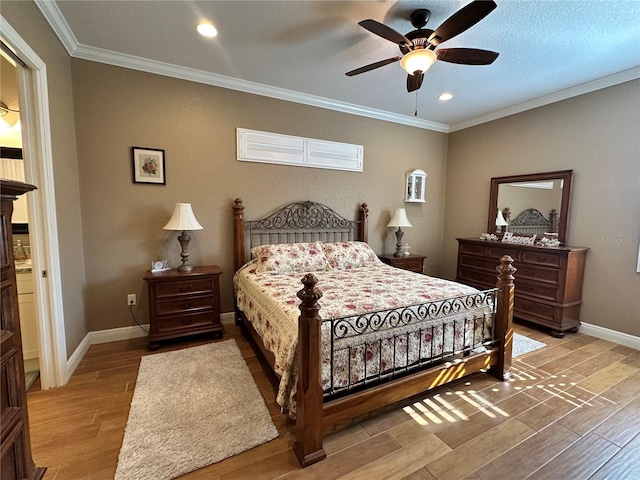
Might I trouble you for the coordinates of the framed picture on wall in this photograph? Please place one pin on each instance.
(148, 165)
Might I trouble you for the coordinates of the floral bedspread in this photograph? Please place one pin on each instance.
(270, 303)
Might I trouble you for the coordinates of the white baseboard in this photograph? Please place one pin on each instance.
(117, 335)
(127, 333)
(611, 335)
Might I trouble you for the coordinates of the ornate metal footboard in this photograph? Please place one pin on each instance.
(366, 349)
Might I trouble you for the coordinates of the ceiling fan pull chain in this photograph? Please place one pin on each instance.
(416, 112)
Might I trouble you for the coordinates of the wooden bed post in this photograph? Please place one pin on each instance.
(363, 224)
(238, 235)
(504, 318)
(309, 426)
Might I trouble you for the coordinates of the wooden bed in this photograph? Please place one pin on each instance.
(319, 410)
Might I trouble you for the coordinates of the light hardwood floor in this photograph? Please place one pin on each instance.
(571, 411)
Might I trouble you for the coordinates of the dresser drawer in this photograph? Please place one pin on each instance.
(477, 277)
(184, 322)
(472, 249)
(171, 289)
(537, 289)
(542, 258)
(533, 309)
(184, 305)
(496, 252)
(535, 272)
(484, 263)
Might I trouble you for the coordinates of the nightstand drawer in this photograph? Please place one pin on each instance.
(412, 263)
(184, 305)
(189, 287)
(184, 322)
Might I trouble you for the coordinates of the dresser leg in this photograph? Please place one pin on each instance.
(154, 345)
(573, 330)
(557, 333)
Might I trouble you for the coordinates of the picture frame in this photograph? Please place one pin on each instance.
(148, 165)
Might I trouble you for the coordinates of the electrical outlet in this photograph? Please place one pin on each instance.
(131, 299)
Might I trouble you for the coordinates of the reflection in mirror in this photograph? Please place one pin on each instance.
(534, 203)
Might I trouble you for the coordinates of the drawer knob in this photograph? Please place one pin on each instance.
(186, 304)
(185, 288)
(186, 321)
(527, 288)
(542, 259)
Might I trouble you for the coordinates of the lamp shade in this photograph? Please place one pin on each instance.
(418, 60)
(183, 219)
(500, 221)
(399, 219)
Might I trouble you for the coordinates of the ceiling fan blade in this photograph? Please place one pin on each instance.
(385, 32)
(466, 56)
(372, 66)
(414, 82)
(460, 21)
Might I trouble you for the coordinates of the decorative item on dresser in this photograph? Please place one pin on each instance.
(549, 289)
(413, 263)
(15, 441)
(183, 303)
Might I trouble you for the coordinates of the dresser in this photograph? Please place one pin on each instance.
(548, 281)
(413, 263)
(16, 461)
(183, 303)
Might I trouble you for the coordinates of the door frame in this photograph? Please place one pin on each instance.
(33, 96)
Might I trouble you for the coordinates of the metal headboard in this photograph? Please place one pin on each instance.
(296, 222)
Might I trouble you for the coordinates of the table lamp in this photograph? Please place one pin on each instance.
(183, 219)
(399, 220)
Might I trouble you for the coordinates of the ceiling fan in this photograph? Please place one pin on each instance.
(419, 46)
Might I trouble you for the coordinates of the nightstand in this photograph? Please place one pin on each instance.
(413, 263)
(183, 303)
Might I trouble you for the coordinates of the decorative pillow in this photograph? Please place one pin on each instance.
(344, 255)
(290, 258)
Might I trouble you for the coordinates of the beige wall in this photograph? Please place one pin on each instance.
(195, 124)
(27, 20)
(596, 135)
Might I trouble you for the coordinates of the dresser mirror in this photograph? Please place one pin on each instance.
(528, 196)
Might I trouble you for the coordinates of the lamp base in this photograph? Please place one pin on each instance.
(185, 268)
(399, 235)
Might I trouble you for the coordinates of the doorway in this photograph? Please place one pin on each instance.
(32, 94)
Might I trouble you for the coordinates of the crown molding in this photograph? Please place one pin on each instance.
(160, 68)
(55, 18)
(60, 26)
(604, 82)
(57, 21)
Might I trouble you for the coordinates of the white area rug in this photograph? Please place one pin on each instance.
(192, 408)
(522, 345)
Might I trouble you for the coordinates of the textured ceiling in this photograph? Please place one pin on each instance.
(545, 47)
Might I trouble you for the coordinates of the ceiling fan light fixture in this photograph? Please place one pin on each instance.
(418, 60)
(206, 30)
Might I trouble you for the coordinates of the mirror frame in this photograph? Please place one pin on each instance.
(564, 175)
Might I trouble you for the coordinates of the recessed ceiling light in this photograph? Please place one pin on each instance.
(207, 30)
(445, 96)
